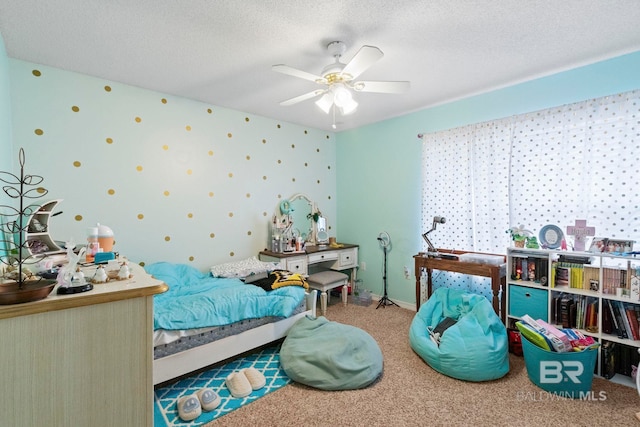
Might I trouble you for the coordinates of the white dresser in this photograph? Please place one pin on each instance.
(325, 256)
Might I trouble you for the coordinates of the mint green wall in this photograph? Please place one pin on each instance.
(379, 165)
(177, 180)
(5, 128)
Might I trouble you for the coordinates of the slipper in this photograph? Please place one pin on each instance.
(189, 407)
(238, 384)
(209, 399)
(255, 377)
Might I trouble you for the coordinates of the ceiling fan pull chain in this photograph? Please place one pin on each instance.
(333, 107)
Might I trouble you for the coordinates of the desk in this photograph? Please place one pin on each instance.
(342, 258)
(497, 273)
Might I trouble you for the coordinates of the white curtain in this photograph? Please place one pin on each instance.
(574, 162)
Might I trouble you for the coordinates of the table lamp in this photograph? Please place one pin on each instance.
(436, 220)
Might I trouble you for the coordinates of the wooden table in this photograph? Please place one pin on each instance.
(497, 273)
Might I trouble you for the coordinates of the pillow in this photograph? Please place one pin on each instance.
(243, 268)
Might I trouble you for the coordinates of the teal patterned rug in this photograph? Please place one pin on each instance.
(266, 361)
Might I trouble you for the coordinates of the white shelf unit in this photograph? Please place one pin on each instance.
(536, 296)
(36, 234)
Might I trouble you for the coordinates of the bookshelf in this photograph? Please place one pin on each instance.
(586, 291)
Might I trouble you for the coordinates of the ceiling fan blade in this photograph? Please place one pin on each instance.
(285, 69)
(381, 87)
(365, 58)
(301, 98)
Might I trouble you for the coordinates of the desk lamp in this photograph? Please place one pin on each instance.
(436, 220)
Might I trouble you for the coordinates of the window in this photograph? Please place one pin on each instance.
(578, 161)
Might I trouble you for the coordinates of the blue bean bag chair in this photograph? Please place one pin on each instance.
(475, 348)
(330, 355)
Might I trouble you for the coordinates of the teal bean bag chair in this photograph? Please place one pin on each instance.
(475, 348)
(329, 355)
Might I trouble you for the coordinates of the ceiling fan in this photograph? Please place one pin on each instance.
(338, 80)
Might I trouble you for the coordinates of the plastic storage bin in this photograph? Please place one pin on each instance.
(566, 374)
(363, 298)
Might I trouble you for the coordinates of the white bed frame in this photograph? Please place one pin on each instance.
(175, 365)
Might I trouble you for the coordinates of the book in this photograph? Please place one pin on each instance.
(625, 320)
(592, 322)
(607, 323)
(608, 367)
(623, 328)
(543, 272)
(553, 338)
(558, 318)
(552, 330)
(633, 322)
(614, 319)
(565, 311)
(533, 336)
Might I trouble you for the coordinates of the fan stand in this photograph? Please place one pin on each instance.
(385, 301)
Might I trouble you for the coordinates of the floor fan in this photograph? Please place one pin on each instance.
(385, 243)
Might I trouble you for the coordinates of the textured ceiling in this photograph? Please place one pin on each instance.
(221, 52)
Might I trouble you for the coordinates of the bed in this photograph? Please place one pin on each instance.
(205, 318)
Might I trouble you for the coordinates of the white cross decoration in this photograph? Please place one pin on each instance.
(579, 231)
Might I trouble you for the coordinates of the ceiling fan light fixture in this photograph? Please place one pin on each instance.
(341, 95)
(349, 107)
(339, 80)
(325, 102)
(343, 99)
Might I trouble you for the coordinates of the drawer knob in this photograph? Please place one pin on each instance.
(528, 295)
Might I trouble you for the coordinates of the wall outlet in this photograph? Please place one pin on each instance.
(407, 274)
(363, 265)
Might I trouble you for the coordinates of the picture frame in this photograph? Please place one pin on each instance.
(612, 246)
(619, 246)
(598, 245)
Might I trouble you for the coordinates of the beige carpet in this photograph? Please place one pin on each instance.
(410, 393)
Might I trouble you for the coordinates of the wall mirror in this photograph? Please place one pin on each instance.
(297, 213)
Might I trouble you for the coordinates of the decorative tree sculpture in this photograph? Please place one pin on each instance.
(17, 255)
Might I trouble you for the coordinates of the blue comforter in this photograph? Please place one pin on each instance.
(198, 300)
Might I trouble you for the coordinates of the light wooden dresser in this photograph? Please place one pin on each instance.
(80, 360)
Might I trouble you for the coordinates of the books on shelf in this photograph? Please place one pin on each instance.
(624, 317)
(575, 311)
(617, 358)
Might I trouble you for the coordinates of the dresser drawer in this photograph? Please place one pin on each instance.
(296, 265)
(322, 257)
(524, 300)
(347, 259)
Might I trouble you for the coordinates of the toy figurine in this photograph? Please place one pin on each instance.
(78, 278)
(532, 243)
(124, 272)
(100, 276)
(66, 273)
